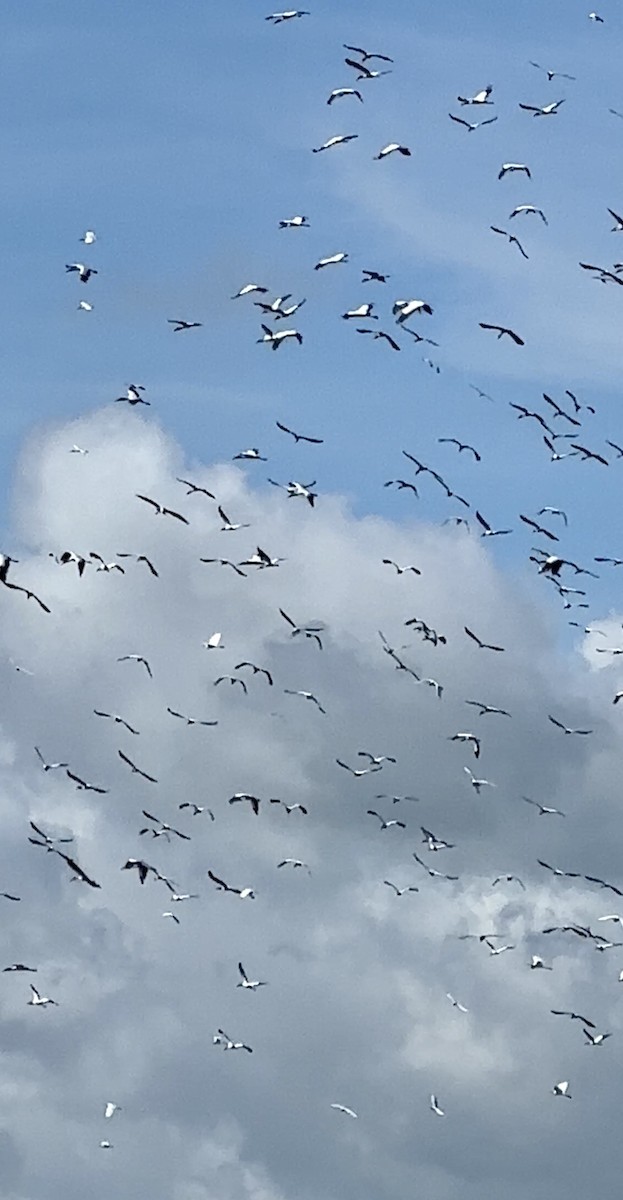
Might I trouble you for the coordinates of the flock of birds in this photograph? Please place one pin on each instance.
(563, 427)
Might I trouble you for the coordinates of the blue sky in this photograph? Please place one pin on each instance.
(183, 142)
(183, 135)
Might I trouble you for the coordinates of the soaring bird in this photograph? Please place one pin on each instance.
(481, 97)
(509, 168)
(471, 125)
(278, 19)
(545, 110)
(393, 148)
(250, 984)
(338, 140)
(180, 325)
(338, 93)
(501, 330)
(84, 273)
(161, 509)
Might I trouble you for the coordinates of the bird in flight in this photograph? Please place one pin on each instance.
(482, 645)
(161, 509)
(133, 767)
(471, 125)
(510, 168)
(544, 811)
(565, 728)
(249, 984)
(501, 330)
(290, 15)
(299, 437)
(545, 110)
(181, 325)
(481, 97)
(344, 1109)
(510, 237)
(338, 140)
(138, 658)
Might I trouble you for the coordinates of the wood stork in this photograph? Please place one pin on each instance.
(392, 148)
(83, 272)
(509, 168)
(338, 140)
(276, 338)
(338, 93)
(481, 97)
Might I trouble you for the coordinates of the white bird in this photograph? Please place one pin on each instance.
(106, 1145)
(293, 488)
(434, 1104)
(612, 917)
(343, 1109)
(276, 338)
(486, 709)
(339, 140)
(222, 1039)
(78, 450)
(508, 168)
(493, 950)
(509, 879)
(472, 125)
(357, 772)
(481, 97)
(248, 289)
(172, 917)
(106, 566)
(84, 306)
(88, 237)
(245, 982)
(363, 312)
(392, 148)
(161, 510)
(529, 208)
(214, 642)
(84, 273)
(595, 1039)
(593, 16)
(294, 223)
(468, 738)
(133, 395)
(385, 824)
(294, 863)
(111, 1109)
(536, 963)
(375, 760)
(138, 658)
(403, 309)
(290, 15)
(331, 261)
(477, 784)
(117, 720)
(547, 110)
(551, 74)
(37, 999)
(253, 455)
(562, 1089)
(305, 696)
(338, 93)
(544, 811)
(456, 1004)
(389, 562)
(399, 891)
(56, 766)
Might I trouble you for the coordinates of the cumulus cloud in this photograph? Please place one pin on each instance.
(355, 1011)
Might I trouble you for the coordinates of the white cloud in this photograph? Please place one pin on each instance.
(355, 1008)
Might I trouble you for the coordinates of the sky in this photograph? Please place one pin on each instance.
(183, 137)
